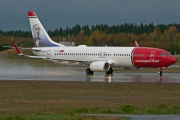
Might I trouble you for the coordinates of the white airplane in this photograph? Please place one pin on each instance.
(96, 59)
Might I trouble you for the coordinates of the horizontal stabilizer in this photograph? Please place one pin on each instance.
(8, 46)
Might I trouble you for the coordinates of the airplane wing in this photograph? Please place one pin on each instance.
(86, 62)
(21, 53)
(7, 46)
(18, 50)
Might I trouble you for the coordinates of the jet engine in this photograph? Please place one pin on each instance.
(100, 66)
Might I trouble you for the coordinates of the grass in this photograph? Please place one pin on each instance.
(65, 117)
(39, 99)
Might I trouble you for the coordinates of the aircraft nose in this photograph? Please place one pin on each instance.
(173, 60)
(170, 61)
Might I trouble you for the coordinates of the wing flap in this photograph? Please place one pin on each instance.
(40, 57)
(86, 62)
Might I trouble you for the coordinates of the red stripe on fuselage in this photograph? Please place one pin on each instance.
(151, 57)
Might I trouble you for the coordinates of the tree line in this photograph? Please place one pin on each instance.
(162, 36)
(108, 29)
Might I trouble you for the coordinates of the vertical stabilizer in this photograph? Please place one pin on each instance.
(39, 34)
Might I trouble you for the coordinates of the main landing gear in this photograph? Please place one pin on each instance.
(89, 72)
(110, 71)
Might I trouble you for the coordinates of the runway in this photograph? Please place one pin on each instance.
(140, 117)
(73, 73)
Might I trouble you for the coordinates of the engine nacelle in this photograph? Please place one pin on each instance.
(100, 66)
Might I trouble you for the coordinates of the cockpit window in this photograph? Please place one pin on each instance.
(165, 54)
(168, 54)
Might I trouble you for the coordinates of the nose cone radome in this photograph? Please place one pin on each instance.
(169, 61)
(173, 60)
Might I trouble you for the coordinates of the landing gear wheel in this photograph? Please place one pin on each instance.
(110, 71)
(89, 72)
(160, 73)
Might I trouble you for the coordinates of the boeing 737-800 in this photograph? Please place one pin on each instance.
(96, 59)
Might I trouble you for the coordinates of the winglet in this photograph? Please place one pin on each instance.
(18, 50)
(136, 43)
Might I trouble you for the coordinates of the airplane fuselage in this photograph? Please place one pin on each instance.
(127, 57)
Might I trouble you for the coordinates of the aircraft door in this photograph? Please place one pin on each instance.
(49, 53)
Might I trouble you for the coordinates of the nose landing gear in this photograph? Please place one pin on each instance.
(160, 72)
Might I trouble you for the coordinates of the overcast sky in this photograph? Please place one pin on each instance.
(61, 13)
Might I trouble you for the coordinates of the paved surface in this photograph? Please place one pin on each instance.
(141, 117)
(73, 73)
